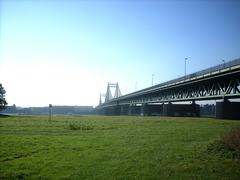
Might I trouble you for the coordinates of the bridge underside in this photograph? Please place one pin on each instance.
(224, 110)
(228, 110)
(163, 99)
(153, 110)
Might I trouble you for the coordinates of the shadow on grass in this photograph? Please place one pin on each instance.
(4, 115)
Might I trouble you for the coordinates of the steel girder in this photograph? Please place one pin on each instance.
(217, 86)
(214, 88)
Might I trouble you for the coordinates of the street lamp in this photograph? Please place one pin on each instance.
(152, 78)
(50, 112)
(186, 67)
(223, 63)
(136, 86)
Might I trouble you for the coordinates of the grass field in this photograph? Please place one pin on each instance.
(99, 147)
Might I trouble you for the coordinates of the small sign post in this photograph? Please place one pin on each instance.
(50, 112)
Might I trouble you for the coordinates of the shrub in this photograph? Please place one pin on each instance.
(231, 140)
(73, 126)
(228, 145)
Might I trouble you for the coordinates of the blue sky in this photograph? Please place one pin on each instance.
(64, 52)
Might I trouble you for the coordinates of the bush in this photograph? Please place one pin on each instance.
(73, 126)
(231, 140)
(228, 145)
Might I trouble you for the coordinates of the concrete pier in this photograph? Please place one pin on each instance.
(124, 109)
(224, 110)
(134, 110)
(168, 109)
(181, 110)
(110, 111)
(151, 109)
(228, 110)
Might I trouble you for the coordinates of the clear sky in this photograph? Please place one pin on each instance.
(65, 51)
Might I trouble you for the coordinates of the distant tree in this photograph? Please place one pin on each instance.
(3, 101)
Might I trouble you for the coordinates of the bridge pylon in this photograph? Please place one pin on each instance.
(117, 92)
(101, 96)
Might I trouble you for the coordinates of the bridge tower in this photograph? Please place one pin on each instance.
(101, 96)
(117, 92)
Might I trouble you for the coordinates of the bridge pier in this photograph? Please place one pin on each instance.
(156, 109)
(181, 109)
(124, 109)
(144, 111)
(117, 110)
(168, 109)
(134, 110)
(228, 110)
(151, 109)
(110, 111)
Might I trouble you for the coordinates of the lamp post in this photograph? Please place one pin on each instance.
(152, 78)
(223, 63)
(185, 70)
(50, 112)
(136, 86)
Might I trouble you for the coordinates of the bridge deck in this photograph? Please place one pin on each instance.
(211, 83)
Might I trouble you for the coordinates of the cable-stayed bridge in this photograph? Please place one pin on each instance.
(221, 83)
(108, 96)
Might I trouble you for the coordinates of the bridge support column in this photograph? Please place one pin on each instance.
(151, 109)
(134, 110)
(181, 109)
(130, 110)
(111, 111)
(124, 109)
(168, 109)
(117, 110)
(194, 109)
(228, 110)
(155, 109)
(145, 110)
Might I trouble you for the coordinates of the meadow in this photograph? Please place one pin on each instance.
(120, 147)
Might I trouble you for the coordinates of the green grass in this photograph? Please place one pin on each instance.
(99, 147)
